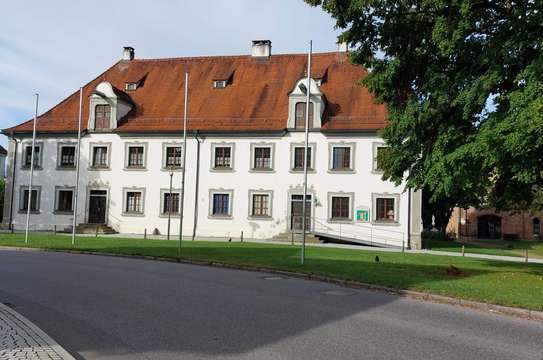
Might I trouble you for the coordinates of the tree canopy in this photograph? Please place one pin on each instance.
(463, 82)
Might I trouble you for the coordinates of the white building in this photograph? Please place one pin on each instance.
(244, 152)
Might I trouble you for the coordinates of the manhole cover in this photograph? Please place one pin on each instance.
(273, 277)
(339, 292)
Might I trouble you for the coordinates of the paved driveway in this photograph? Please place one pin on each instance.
(112, 308)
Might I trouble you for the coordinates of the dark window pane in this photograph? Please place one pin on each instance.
(33, 200)
(341, 158)
(223, 157)
(135, 156)
(262, 158)
(173, 156)
(65, 198)
(99, 156)
(385, 209)
(67, 156)
(260, 205)
(299, 158)
(133, 202)
(28, 156)
(340, 207)
(171, 203)
(221, 204)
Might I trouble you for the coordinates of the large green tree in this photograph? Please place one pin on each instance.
(463, 82)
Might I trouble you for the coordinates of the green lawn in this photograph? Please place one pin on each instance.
(505, 283)
(488, 246)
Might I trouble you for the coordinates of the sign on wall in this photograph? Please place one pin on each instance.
(362, 214)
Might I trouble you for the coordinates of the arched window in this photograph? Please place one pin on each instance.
(102, 116)
(536, 226)
(300, 115)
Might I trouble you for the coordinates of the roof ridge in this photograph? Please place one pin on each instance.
(204, 57)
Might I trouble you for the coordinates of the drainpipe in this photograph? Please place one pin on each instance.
(197, 186)
(13, 183)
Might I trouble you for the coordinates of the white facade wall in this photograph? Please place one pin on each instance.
(361, 184)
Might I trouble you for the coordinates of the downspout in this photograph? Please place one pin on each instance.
(13, 184)
(197, 186)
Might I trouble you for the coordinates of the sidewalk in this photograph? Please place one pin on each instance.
(21, 339)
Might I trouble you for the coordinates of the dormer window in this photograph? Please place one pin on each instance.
(300, 115)
(130, 86)
(219, 84)
(297, 104)
(102, 117)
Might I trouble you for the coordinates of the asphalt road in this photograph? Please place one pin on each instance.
(113, 308)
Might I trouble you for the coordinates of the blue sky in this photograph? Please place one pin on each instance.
(55, 47)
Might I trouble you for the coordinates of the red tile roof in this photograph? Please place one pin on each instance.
(256, 98)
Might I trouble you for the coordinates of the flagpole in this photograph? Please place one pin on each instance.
(31, 170)
(306, 147)
(182, 200)
(74, 224)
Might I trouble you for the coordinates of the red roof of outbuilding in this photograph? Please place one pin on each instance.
(256, 98)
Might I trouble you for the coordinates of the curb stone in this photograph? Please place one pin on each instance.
(474, 305)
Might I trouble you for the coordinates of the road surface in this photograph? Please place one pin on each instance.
(114, 308)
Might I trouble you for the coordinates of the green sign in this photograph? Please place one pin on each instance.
(363, 215)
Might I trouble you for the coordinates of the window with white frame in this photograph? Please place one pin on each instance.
(221, 203)
(133, 201)
(262, 158)
(27, 159)
(385, 208)
(340, 206)
(99, 156)
(64, 199)
(102, 116)
(299, 119)
(219, 84)
(135, 156)
(170, 202)
(298, 157)
(260, 204)
(377, 149)
(173, 156)
(34, 199)
(66, 156)
(341, 157)
(223, 157)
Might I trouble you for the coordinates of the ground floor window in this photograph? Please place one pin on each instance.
(340, 207)
(133, 201)
(260, 204)
(221, 203)
(64, 202)
(170, 203)
(386, 207)
(34, 199)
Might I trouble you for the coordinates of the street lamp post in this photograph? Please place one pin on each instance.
(170, 202)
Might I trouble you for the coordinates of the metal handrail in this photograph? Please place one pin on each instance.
(354, 231)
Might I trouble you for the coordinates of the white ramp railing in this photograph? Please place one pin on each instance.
(361, 233)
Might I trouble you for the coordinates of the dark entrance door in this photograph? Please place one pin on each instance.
(296, 212)
(97, 206)
(489, 227)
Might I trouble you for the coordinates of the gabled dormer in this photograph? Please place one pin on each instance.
(297, 105)
(107, 106)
